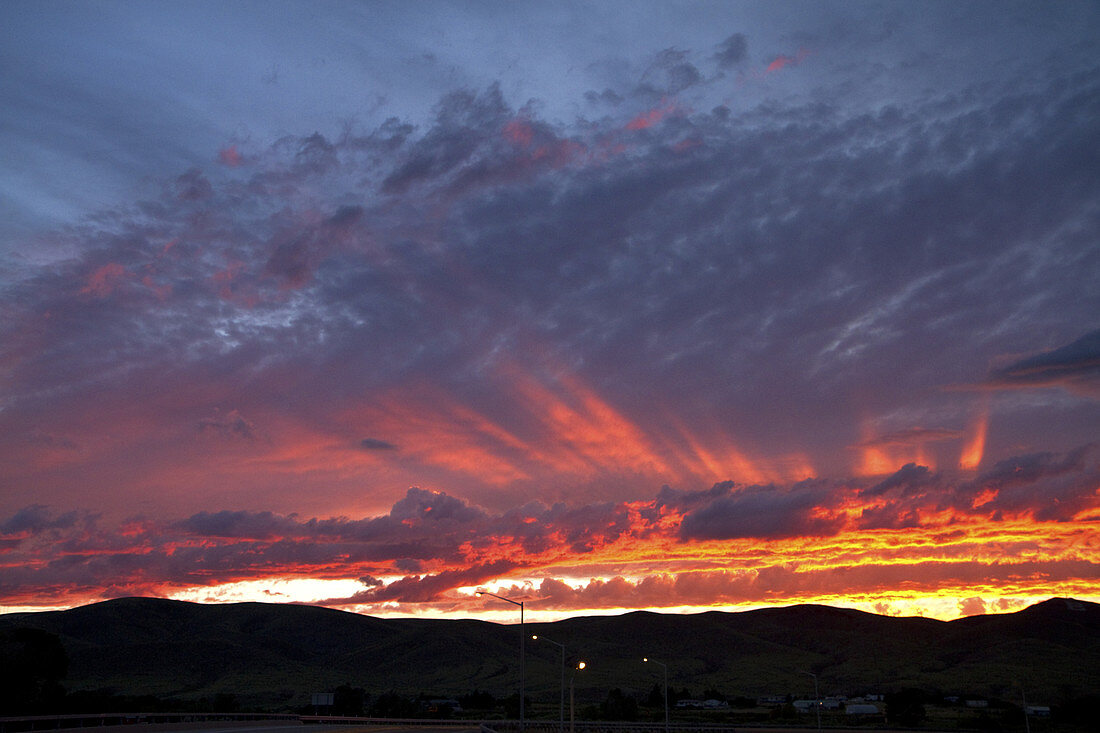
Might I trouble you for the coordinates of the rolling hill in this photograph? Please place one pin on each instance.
(275, 655)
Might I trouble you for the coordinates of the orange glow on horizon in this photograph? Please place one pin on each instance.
(925, 570)
(926, 542)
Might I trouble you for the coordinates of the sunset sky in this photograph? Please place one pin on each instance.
(597, 305)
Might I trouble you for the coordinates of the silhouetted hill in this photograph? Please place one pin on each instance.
(275, 655)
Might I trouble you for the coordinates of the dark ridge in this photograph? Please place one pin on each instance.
(271, 655)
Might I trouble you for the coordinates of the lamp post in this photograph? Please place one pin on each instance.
(665, 666)
(817, 699)
(522, 658)
(578, 666)
(536, 637)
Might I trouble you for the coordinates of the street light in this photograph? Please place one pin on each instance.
(536, 637)
(522, 659)
(817, 699)
(665, 666)
(578, 666)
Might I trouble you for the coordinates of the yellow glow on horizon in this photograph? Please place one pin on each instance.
(939, 607)
(271, 590)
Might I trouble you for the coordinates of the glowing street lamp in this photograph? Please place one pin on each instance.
(817, 699)
(665, 666)
(579, 666)
(522, 657)
(536, 637)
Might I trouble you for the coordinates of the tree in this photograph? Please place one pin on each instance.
(391, 705)
(905, 707)
(349, 701)
(32, 664)
(225, 702)
(477, 700)
(511, 705)
(618, 706)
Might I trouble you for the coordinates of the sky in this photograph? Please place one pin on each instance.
(599, 306)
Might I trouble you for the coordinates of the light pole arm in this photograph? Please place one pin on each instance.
(522, 653)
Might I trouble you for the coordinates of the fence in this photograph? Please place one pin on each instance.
(177, 721)
(163, 721)
(597, 726)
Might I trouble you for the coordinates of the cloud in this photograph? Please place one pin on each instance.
(232, 423)
(763, 511)
(372, 444)
(193, 186)
(973, 606)
(434, 506)
(105, 280)
(35, 519)
(910, 480)
(917, 528)
(1075, 366)
(1046, 486)
(463, 120)
(427, 588)
(672, 72)
(60, 442)
(238, 524)
(230, 156)
(732, 51)
(569, 311)
(910, 437)
(781, 61)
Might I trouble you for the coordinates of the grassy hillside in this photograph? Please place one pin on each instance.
(275, 655)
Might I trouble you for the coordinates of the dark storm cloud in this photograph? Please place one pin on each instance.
(1048, 486)
(434, 507)
(732, 51)
(464, 122)
(37, 518)
(685, 501)
(908, 480)
(763, 511)
(607, 96)
(240, 524)
(1075, 366)
(1043, 486)
(671, 73)
(376, 444)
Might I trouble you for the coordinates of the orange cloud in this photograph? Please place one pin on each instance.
(230, 156)
(975, 446)
(651, 117)
(106, 280)
(782, 61)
